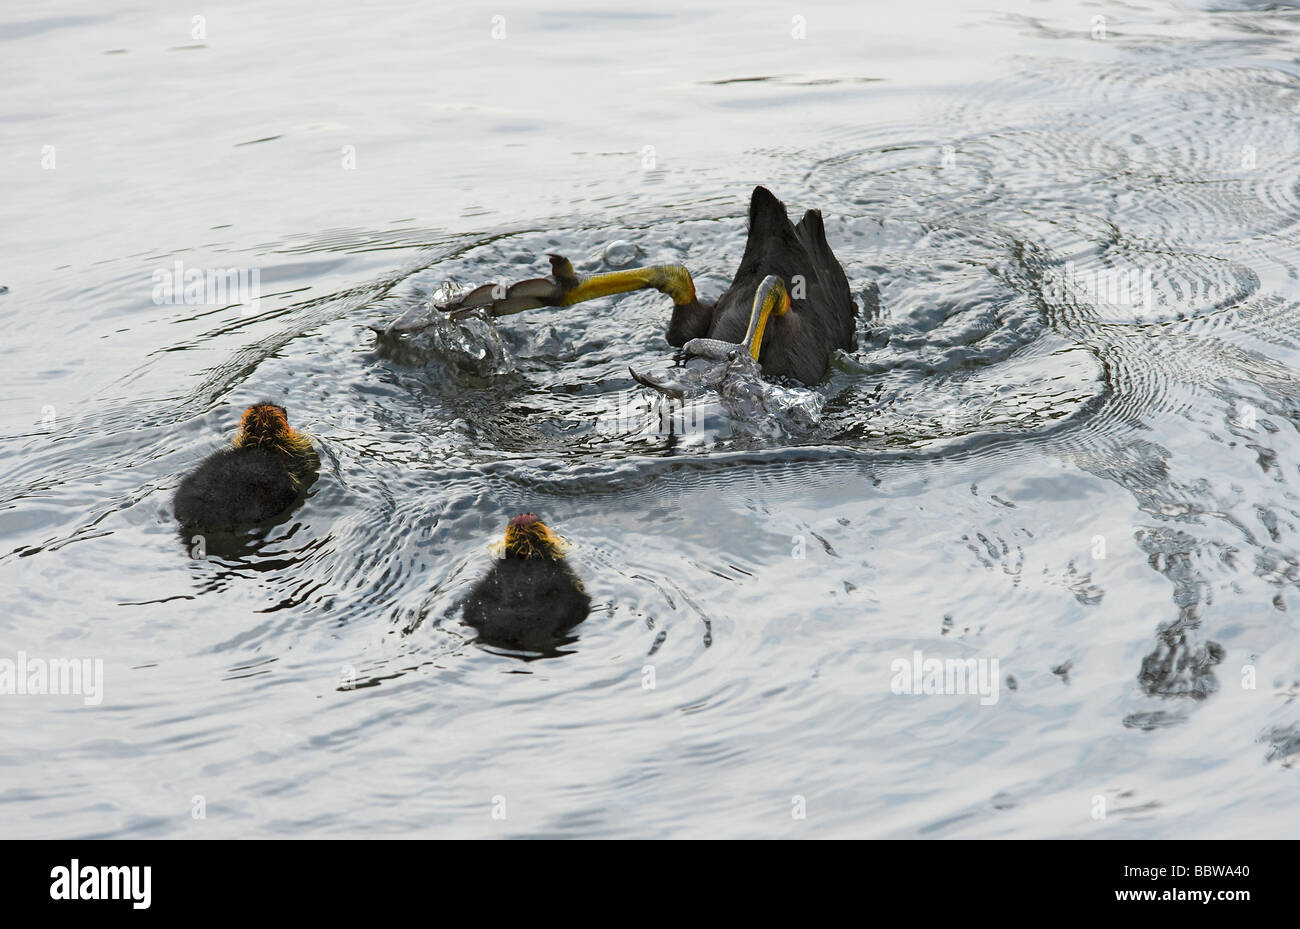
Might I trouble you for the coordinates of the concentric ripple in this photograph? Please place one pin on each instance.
(1066, 442)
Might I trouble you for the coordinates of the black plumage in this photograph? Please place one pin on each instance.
(234, 487)
(526, 604)
(797, 342)
(821, 319)
(529, 599)
(260, 476)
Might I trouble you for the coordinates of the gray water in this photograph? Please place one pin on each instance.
(1023, 463)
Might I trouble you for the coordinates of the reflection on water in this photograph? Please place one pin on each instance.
(1064, 442)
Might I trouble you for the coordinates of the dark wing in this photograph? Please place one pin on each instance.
(771, 248)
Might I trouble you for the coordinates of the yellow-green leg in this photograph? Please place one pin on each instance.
(771, 299)
(565, 288)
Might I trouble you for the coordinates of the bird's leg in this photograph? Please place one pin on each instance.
(673, 280)
(565, 288)
(770, 298)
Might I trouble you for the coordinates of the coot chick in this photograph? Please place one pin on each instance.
(260, 476)
(530, 598)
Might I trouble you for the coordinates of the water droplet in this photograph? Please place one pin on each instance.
(619, 253)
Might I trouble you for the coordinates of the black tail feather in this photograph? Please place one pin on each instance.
(811, 225)
(767, 215)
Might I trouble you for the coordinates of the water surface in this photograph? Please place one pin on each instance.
(1019, 463)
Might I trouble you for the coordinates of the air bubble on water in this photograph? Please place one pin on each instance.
(620, 253)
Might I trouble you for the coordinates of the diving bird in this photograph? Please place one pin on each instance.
(258, 477)
(788, 305)
(530, 597)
